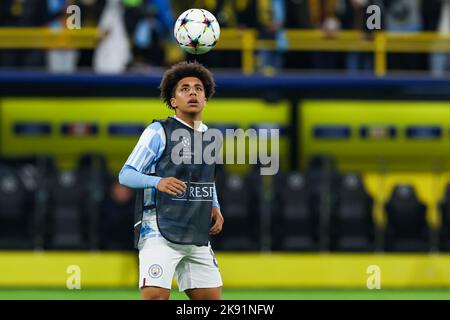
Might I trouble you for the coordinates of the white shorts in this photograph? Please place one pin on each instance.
(193, 266)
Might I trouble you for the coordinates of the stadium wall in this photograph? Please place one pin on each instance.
(363, 135)
(381, 136)
(385, 154)
(397, 102)
(239, 270)
(65, 128)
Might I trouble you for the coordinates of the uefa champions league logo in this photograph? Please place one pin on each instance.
(186, 152)
(186, 142)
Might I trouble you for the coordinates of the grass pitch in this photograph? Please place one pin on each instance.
(244, 294)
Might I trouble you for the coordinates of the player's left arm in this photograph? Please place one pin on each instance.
(216, 215)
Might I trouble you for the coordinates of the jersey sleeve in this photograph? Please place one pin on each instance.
(143, 159)
(215, 200)
(131, 178)
(148, 149)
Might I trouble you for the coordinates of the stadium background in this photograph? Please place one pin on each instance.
(389, 127)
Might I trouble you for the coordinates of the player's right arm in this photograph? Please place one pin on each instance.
(146, 153)
(172, 186)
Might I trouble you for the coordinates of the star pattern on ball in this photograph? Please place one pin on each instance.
(197, 31)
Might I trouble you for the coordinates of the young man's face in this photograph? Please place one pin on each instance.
(189, 96)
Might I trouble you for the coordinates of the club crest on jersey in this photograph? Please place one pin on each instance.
(155, 271)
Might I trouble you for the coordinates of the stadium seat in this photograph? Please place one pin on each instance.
(444, 234)
(93, 177)
(47, 172)
(15, 211)
(322, 184)
(117, 217)
(76, 204)
(240, 232)
(34, 172)
(296, 227)
(261, 192)
(67, 219)
(407, 229)
(352, 225)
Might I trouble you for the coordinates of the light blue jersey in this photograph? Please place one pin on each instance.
(136, 173)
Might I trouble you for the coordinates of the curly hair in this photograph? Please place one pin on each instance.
(182, 70)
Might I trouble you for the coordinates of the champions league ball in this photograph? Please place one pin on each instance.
(197, 31)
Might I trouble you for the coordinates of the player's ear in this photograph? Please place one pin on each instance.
(173, 102)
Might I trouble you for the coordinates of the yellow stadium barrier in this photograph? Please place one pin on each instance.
(430, 189)
(246, 41)
(343, 41)
(239, 270)
(46, 38)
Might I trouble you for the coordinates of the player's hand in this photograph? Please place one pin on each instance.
(217, 217)
(171, 186)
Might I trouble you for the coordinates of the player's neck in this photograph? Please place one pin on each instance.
(192, 119)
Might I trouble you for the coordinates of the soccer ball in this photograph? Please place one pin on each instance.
(197, 31)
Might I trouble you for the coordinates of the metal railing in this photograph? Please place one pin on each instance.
(47, 38)
(380, 43)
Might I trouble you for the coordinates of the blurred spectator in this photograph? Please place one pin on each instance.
(118, 218)
(245, 14)
(297, 17)
(23, 13)
(403, 16)
(225, 13)
(140, 32)
(60, 60)
(113, 53)
(90, 17)
(323, 16)
(149, 24)
(223, 10)
(297, 14)
(230, 14)
(352, 16)
(271, 15)
(50, 13)
(436, 17)
(240, 15)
